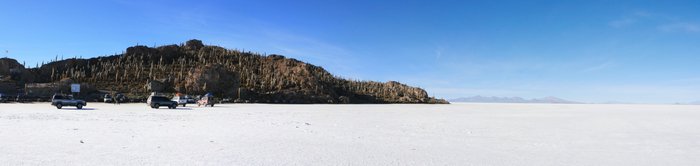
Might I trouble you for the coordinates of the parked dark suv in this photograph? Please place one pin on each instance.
(60, 100)
(3, 98)
(157, 101)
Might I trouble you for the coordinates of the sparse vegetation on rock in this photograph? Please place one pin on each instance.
(196, 68)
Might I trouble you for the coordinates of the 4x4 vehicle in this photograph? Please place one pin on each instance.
(157, 101)
(60, 100)
(120, 98)
(180, 99)
(3, 98)
(206, 100)
(108, 98)
(190, 99)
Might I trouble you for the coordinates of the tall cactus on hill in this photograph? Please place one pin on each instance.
(272, 78)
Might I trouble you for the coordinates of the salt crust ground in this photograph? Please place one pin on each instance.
(260, 134)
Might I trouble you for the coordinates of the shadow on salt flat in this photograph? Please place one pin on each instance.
(76, 109)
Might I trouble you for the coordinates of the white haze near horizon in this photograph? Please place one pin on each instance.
(631, 95)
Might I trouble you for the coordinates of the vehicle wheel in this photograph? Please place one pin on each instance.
(212, 104)
(174, 106)
(156, 106)
(183, 105)
(80, 106)
(59, 105)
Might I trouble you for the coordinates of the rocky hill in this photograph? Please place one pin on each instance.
(195, 68)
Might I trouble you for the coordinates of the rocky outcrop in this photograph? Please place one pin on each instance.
(212, 78)
(195, 68)
(13, 71)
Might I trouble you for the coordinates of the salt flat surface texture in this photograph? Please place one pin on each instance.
(260, 134)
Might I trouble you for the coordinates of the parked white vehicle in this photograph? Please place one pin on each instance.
(181, 100)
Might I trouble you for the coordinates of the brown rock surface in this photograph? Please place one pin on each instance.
(195, 68)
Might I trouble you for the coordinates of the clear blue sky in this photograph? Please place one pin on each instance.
(591, 51)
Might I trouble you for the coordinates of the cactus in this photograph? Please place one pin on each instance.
(260, 77)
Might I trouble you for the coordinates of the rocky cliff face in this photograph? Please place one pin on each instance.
(11, 70)
(13, 75)
(196, 68)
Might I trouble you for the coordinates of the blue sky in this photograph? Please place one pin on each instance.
(590, 51)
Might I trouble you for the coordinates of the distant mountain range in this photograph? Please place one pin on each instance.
(687, 103)
(494, 99)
